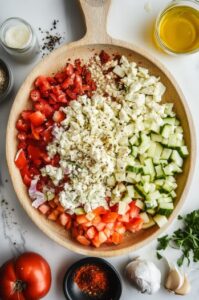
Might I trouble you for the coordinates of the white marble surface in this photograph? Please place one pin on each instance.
(128, 20)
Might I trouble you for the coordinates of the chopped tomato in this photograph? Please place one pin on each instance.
(44, 208)
(116, 238)
(83, 240)
(99, 210)
(63, 218)
(20, 159)
(91, 232)
(81, 219)
(35, 95)
(134, 210)
(37, 118)
(110, 217)
(135, 224)
(22, 125)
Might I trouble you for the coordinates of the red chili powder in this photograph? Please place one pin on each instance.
(91, 279)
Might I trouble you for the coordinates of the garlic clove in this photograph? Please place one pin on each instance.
(174, 280)
(185, 288)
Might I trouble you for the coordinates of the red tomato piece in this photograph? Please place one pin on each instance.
(81, 219)
(63, 218)
(37, 118)
(26, 180)
(71, 94)
(44, 208)
(36, 131)
(134, 210)
(91, 232)
(110, 217)
(69, 69)
(22, 125)
(100, 226)
(102, 237)
(116, 238)
(22, 136)
(35, 95)
(83, 240)
(44, 108)
(20, 159)
(42, 83)
(99, 210)
(26, 114)
(104, 57)
(68, 81)
(135, 224)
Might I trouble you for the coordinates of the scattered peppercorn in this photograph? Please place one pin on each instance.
(51, 39)
(3, 80)
(92, 280)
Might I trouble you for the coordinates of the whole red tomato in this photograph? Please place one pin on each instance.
(26, 278)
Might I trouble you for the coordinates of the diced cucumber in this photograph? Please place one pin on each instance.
(170, 121)
(145, 143)
(156, 137)
(152, 197)
(172, 168)
(145, 217)
(151, 150)
(151, 211)
(149, 168)
(179, 129)
(165, 200)
(130, 177)
(134, 151)
(127, 199)
(149, 224)
(168, 186)
(159, 172)
(167, 130)
(158, 151)
(160, 220)
(159, 182)
(134, 169)
(130, 191)
(150, 204)
(173, 194)
(175, 156)
(145, 178)
(166, 153)
(133, 140)
(165, 208)
(183, 151)
(139, 188)
(79, 211)
(139, 203)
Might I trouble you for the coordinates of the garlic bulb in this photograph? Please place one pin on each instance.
(144, 274)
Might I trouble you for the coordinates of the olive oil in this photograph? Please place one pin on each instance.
(178, 29)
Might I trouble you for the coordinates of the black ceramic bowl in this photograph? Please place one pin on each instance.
(9, 76)
(72, 291)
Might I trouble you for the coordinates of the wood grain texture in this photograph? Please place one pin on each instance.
(94, 41)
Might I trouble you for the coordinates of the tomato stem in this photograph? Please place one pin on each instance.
(20, 286)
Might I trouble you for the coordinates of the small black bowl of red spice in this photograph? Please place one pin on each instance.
(92, 278)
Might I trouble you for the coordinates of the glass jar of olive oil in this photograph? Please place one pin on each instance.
(177, 27)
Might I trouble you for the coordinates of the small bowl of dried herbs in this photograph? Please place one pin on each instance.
(6, 80)
(92, 278)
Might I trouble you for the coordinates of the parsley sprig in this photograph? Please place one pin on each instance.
(185, 239)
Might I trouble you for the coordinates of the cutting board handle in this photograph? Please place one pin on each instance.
(95, 13)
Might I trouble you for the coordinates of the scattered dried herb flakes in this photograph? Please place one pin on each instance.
(50, 38)
(185, 239)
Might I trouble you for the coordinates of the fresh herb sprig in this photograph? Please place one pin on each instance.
(185, 239)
